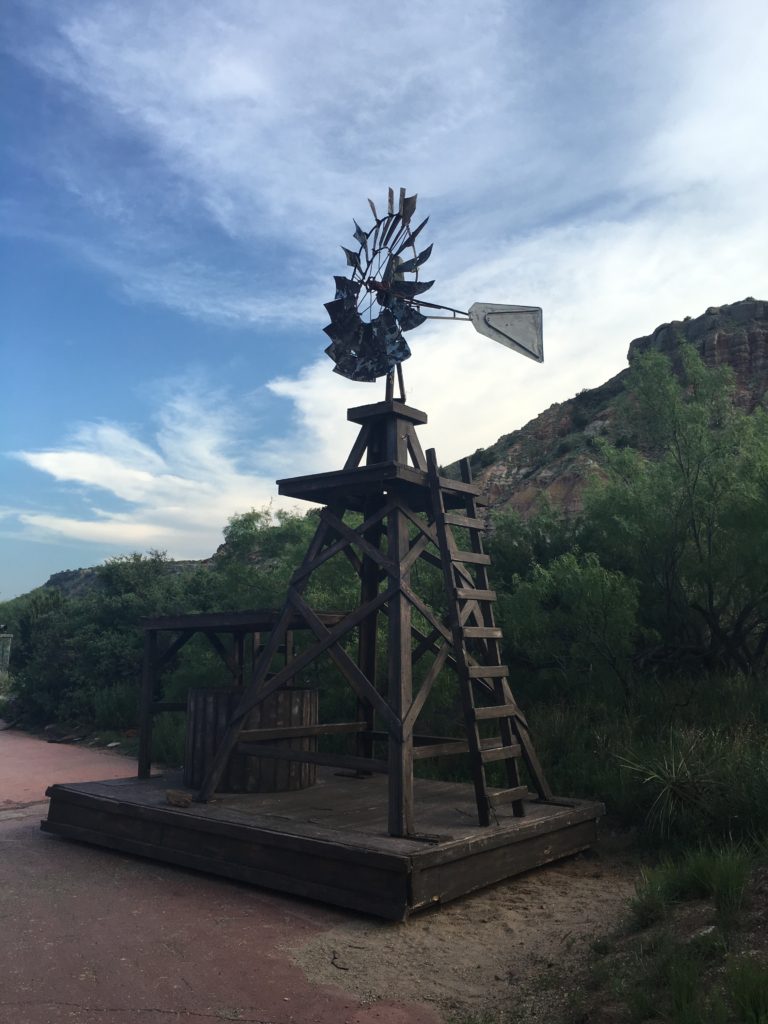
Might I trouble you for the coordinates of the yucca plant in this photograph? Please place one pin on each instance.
(682, 778)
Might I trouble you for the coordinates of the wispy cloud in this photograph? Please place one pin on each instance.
(256, 129)
(174, 492)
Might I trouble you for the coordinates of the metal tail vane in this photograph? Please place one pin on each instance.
(379, 301)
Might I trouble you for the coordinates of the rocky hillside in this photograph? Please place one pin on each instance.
(553, 455)
(82, 582)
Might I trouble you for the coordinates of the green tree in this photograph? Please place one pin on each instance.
(574, 622)
(686, 515)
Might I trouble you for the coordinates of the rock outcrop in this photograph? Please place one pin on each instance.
(554, 454)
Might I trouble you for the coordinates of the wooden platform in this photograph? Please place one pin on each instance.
(329, 842)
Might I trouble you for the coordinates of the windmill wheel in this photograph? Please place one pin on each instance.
(372, 306)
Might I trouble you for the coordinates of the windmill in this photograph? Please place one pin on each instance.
(386, 509)
(358, 828)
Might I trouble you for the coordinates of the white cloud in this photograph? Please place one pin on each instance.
(266, 129)
(176, 493)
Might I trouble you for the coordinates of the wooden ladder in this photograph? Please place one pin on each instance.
(477, 652)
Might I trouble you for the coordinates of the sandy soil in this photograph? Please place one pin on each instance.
(508, 953)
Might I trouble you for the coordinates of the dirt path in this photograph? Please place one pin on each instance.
(513, 947)
(91, 935)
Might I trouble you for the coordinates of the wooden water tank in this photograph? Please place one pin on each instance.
(209, 710)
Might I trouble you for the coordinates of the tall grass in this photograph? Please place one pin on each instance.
(683, 767)
(719, 874)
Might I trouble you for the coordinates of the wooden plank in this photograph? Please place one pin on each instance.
(358, 448)
(216, 643)
(298, 731)
(415, 449)
(426, 688)
(509, 834)
(145, 703)
(481, 632)
(511, 795)
(417, 551)
(258, 621)
(472, 594)
(471, 557)
(501, 753)
(400, 682)
(348, 761)
(349, 847)
(467, 522)
(487, 671)
(479, 868)
(457, 486)
(367, 644)
(420, 753)
(499, 711)
(387, 901)
(327, 488)
(174, 648)
(361, 413)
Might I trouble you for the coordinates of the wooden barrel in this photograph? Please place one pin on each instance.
(209, 710)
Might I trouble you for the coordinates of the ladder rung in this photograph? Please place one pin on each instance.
(474, 557)
(470, 594)
(468, 522)
(501, 753)
(500, 711)
(498, 796)
(458, 486)
(487, 672)
(482, 632)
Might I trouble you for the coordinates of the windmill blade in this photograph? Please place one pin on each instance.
(517, 327)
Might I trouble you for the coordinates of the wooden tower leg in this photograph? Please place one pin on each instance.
(400, 683)
(368, 630)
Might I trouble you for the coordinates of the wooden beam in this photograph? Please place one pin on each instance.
(286, 732)
(145, 703)
(216, 643)
(174, 648)
(400, 688)
(358, 448)
(426, 688)
(361, 764)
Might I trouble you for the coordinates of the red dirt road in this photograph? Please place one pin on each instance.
(90, 935)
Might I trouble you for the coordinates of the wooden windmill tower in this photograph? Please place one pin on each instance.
(386, 510)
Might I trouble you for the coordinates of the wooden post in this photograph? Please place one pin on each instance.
(238, 654)
(400, 683)
(145, 705)
(369, 588)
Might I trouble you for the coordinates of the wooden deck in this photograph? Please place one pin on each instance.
(329, 842)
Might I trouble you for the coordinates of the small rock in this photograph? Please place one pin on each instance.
(178, 797)
(115, 743)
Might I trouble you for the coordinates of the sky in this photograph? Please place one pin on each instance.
(178, 178)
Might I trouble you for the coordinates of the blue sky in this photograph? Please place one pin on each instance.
(179, 176)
